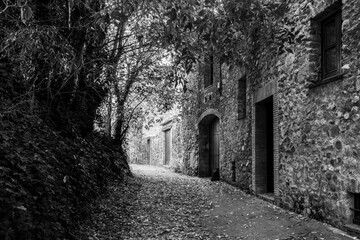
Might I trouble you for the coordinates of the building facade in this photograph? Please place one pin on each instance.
(288, 132)
(160, 144)
(287, 129)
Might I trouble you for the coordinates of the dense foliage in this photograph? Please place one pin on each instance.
(228, 29)
(47, 180)
(52, 56)
(62, 61)
(140, 70)
(56, 50)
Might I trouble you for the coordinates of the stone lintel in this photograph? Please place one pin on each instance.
(266, 91)
(167, 127)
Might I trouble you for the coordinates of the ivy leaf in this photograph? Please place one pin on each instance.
(188, 26)
(185, 88)
(71, 4)
(188, 67)
(172, 14)
(209, 2)
(20, 3)
(25, 13)
(202, 13)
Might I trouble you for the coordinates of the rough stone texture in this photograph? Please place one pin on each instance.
(177, 152)
(235, 141)
(147, 146)
(318, 125)
(190, 134)
(236, 135)
(319, 165)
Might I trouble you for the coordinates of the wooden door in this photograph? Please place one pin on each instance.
(264, 146)
(148, 151)
(214, 145)
(167, 147)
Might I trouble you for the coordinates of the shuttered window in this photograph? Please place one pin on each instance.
(242, 98)
(208, 71)
(356, 208)
(167, 147)
(331, 45)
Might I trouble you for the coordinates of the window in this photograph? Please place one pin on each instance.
(356, 208)
(167, 147)
(331, 45)
(209, 69)
(242, 98)
(324, 47)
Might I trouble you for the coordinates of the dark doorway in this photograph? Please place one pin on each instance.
(214, 145)
(264, 146)
(148, 151)
(209, 145)
(167, 147)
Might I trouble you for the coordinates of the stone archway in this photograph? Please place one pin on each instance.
(209, 142)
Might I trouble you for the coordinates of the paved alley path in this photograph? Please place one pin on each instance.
(159, 204)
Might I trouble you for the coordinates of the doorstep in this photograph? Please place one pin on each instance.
(353, 229)
(269, 197)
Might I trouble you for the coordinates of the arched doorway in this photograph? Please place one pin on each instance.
(209, 143)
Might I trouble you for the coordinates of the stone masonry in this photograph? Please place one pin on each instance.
(315, 136)
(286, 133)
(147, 146)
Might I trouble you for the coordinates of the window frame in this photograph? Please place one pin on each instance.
(241, 97)
(209, 76)
(211, 70)
(356, 209)
(336, 16)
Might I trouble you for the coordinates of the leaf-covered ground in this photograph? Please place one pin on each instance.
(159, 204)
(156, 204)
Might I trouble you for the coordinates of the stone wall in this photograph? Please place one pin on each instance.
(319, 167)
(148, 145)
(190, 102)
(236, 130)
(316, 124)
(221, 99)
(176, 146)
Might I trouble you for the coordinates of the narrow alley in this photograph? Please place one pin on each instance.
(160, 204)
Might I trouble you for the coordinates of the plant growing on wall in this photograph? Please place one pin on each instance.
(230, 29)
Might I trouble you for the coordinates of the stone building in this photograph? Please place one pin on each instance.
(160, 144)
(288, 129)
(288, 132)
